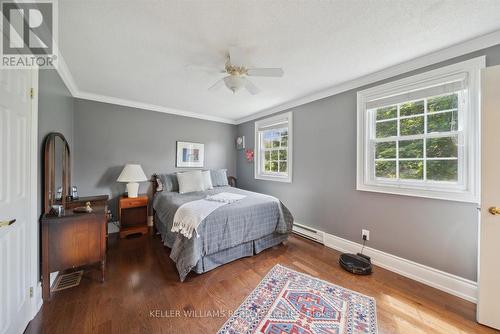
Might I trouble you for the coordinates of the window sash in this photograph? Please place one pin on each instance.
(448, 85)
(274, 125)
(282, 123)
(416, 115)
(262, 157)
(459, 133)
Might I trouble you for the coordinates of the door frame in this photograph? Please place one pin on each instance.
(35, 284)
(33, 222)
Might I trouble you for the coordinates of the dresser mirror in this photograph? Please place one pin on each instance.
(57, 173)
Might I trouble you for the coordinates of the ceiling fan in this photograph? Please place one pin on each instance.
(238, 73)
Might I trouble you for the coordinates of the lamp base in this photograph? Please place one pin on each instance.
(132, 189)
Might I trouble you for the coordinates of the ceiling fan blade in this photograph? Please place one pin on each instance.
(201, 68)
(252, 89)
(216, 85)
(236, 56)
(265, 72)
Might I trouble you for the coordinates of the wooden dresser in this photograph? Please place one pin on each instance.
(74, 239)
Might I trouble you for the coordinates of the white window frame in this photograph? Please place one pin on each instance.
(259, 173)
(467, 188)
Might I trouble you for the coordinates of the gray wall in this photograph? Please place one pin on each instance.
(55, 114)
(103, 137)
(109, 136)
(323, 195)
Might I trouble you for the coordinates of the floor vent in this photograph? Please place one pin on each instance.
(66, 281)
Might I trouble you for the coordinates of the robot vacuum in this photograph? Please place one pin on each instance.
(358, 264)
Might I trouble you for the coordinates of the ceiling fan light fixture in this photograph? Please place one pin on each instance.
(234, 82)
(238, 73)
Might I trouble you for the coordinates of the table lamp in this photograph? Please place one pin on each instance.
(132, 174)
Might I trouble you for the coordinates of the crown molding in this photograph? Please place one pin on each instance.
(68, 80)
(475, 44)
(65, 74)
(456, 50)
(151, 107)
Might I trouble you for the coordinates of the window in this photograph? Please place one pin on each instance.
(273, 153)
(419, 136)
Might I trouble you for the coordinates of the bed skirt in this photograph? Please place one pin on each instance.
(250, 248)
(212, 261)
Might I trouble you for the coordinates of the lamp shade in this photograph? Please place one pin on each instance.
(132, 173)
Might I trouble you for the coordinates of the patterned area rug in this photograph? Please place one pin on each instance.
(287, 301)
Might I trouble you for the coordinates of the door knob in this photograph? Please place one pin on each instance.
(494, 210)
(7, 222)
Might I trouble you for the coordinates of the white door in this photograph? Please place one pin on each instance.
(488, 310)
(16, 198)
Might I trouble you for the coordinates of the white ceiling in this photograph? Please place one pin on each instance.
(138, 50)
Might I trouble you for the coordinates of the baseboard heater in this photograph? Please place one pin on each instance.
(308, 232)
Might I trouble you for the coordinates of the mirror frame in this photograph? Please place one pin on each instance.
(49, 172)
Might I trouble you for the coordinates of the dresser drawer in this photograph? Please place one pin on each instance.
(133, 203)
(134, 216)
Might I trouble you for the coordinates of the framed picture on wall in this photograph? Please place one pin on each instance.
(240, 142)
(190, 154)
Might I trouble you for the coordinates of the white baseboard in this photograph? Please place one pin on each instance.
(452, 284)
(37, 294)
(37, 300)
(53, 277)
(113, 228)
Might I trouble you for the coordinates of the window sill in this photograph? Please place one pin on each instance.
(286, 179)
(457, 196)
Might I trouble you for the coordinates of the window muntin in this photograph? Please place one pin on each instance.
(273, 148)
(275, 151)
(418, 140)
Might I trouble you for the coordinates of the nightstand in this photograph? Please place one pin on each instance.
(133, 215)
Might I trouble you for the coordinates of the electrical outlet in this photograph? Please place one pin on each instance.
(365, 233)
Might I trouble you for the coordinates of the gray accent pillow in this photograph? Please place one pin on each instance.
(190, 181)
(170, 182)
(219, 177)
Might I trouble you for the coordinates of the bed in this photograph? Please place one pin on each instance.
(240, 229)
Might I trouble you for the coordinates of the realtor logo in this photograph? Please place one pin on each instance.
(29, 34)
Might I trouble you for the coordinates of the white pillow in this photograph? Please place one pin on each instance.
(207, 180)
(190, 181)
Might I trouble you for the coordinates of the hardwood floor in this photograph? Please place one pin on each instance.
(142, 293)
